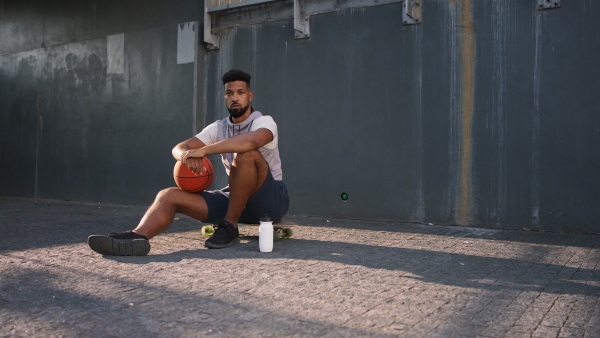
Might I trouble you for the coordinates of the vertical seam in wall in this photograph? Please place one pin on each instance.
(38, 122)
(501, 16)
(38, 133)
(204, 88)
(195, 79)
(453, 144)
(420, 210)
(535, 133)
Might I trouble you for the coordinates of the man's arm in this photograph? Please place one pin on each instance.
(237, 144)
(195, 164)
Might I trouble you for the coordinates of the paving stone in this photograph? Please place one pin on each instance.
(546, 331)
(571, 332)
(592, 331)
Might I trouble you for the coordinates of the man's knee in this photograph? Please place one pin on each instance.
(251, 156)
(168, 194)
(178, 197)
(183, 202)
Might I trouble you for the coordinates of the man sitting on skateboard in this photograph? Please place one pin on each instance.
(248, 144)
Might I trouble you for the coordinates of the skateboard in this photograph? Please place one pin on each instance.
(281, 229)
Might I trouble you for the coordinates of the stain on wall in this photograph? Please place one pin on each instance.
(466, 30)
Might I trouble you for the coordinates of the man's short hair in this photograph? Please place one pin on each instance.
(236, 75)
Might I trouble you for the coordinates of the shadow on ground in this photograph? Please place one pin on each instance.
(463, 270)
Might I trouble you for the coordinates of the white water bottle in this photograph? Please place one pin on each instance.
(265, 234)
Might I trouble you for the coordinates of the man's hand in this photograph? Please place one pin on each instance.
(195, 164)
(193, 159)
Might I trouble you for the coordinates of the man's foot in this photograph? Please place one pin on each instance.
(225, 236)
(127, 243)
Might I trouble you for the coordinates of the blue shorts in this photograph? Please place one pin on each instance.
(271, 199)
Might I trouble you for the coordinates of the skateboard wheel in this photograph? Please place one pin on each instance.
(276, 235)
(287, 233)
(208, 230)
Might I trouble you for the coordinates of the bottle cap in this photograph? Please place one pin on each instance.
(265, 218)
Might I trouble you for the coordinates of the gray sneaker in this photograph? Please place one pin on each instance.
(125, 243)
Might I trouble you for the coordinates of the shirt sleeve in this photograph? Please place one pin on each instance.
(208, 135)
(268, 123)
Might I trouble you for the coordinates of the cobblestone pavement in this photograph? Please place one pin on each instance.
(335, 278)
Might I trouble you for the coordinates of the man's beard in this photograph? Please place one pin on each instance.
(237, 112)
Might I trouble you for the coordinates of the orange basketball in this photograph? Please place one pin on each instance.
(189, 181)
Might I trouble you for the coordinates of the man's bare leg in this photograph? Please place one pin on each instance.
(157, 219)
(247, 175)
(168, 202)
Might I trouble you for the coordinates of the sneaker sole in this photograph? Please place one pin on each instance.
(105, 245)
(221, 246)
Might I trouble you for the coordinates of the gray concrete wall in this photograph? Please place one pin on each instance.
(75, 126)
(486, 114)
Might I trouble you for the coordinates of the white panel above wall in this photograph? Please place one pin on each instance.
(114, 49)
(186, 42)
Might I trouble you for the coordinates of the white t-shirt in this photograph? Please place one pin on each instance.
(223, 129)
